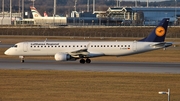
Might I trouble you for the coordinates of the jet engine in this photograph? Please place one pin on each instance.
(62, 57)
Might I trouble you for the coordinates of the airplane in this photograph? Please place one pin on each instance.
(38, 19)
(71, 51)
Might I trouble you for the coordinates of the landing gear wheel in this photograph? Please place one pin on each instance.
(22, 61)
(88, 60)
(82, 61)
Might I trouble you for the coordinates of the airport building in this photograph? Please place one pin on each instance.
(134, 16)
(116, 16)
(152, 15)
(7, 19)
(142, 15)
(122, 16)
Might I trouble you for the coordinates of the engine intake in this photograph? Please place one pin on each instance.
(62, 57)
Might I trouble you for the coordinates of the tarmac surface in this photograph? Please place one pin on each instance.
(97, 66)
(5, 45)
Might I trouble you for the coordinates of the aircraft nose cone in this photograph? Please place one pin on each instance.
(6, 52)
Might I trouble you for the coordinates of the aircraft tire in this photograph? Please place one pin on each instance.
(88, 60)
(82, 61)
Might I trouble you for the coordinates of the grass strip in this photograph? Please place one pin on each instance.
(49, 85)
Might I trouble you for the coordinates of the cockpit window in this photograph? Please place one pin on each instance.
(15, 46)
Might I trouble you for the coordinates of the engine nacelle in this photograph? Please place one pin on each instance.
(62, 57)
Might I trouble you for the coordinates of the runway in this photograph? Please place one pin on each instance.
(97, 66)
(5, 45)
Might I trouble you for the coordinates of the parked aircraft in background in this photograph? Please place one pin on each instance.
(68, 51)
(38, 19)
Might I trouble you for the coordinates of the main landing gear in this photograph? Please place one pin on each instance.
(22, 59)
(82, 61)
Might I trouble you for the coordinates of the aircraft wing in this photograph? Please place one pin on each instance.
(81, 53)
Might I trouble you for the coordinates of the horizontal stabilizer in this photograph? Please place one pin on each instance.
(163, 44)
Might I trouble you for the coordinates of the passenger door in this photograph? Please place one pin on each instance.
(134, 46)
(25, 46)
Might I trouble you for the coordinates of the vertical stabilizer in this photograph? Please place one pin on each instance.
(159, 33)
(35, 13)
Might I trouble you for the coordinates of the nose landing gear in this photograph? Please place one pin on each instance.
(22, 59)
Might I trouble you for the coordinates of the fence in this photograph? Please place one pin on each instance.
(173, 32)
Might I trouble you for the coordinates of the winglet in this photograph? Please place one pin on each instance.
(159, 33)
(35, 13)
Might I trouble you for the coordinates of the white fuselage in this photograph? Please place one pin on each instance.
(94, 49)
(50, 20)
